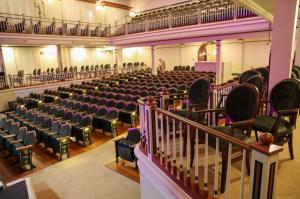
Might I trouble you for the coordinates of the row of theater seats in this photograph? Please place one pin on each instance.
(56, 116)
(44, 27)
(203, 11)
(184, 68)
(17, 140)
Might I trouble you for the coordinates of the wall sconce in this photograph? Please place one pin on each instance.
(99, 6)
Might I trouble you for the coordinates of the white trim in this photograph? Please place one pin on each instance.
(164, 186)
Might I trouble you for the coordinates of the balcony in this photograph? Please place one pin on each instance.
(223, 21)
(22, 29)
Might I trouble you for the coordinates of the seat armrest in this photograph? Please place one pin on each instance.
(211, 110)
(242, 124)
(119, 138)
(9, 136)
(24, 147)
(62, 138)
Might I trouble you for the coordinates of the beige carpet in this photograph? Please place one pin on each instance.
(85, 177)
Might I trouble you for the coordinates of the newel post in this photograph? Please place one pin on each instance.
(264, 167)
(149, 126)
(164, 96)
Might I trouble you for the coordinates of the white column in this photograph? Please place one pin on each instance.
(297, 52)
(59, 57)
(218, 62)
(119, 57)
(284, 28)
(2, 68)
(154, 69)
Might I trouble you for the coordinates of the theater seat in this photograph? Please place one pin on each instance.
(125, 146)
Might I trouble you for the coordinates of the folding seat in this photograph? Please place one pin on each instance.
(122, 90)
(129, 114)
(109, 123)
(110, 95)
(118, 96)
(59, 114)
(127, 98)
(153, 93)
(94, 100)
(102, 102)
(144, 93)
(103, 94)
(135, 98)
(67, 116)
(98, 117)
(81, 98)
(3, 121)
(84, 108)
(23, 150)
(111, 103)
(31, 121)
(60, 141)
(92, 109)
(7, 130)
(17, 136)
(43, 129)
(38, 123)
(125, 146)
(83, 130)
(77, 106)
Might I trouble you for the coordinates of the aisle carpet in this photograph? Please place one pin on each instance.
(85, 177)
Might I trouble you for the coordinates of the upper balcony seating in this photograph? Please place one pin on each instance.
(203, 11)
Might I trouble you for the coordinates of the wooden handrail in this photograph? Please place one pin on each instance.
(201, 127)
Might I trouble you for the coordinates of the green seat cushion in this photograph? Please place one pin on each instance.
(184, 113)
(265, 124)
(239, 134)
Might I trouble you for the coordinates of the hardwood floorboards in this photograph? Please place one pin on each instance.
(125, 169)
(42, 158)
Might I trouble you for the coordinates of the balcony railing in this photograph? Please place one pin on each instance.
(231, 11)
(12, 23)
(167, 140)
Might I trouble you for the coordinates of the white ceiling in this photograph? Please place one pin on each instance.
(264, 8)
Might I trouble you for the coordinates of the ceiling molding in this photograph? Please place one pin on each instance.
(109, 4)
(257, 9)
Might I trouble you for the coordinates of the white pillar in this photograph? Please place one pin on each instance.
(2, 68)
(297, 52)
(283, 34)
(154, 69)
(59, 57)
(218, 62)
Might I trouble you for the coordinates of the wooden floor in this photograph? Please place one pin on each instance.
(126, 169)
(42, 158)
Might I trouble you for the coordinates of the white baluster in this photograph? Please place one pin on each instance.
(162, 139)
(196, 157)
(227, 191)
(206, 162)
(188, 151)
(174, 145)
(243, 174)
(168, 143)
(216, 169)
(180, 149)
(157, 133)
